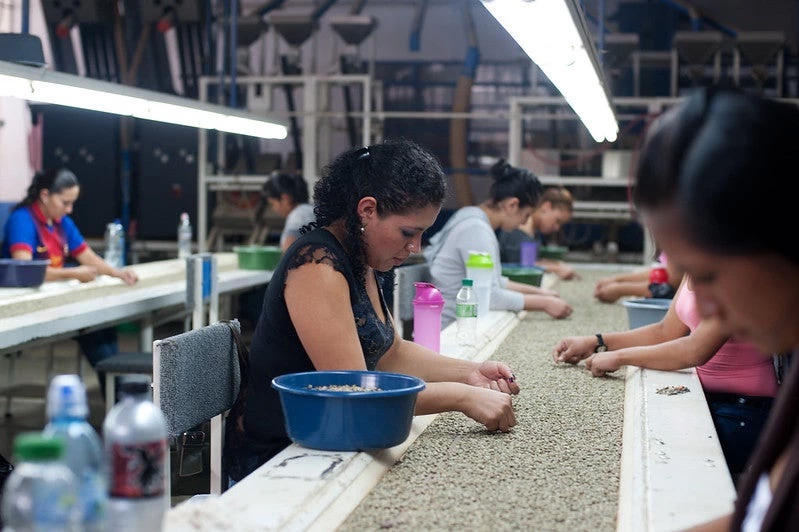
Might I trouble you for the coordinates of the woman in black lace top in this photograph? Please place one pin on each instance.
(324, 309)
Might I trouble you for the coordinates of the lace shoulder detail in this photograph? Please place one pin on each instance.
(317, 253)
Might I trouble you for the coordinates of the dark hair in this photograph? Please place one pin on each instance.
(56, 180)
(559, 197)
(292, 184)
(399, 174)
(513, 182)
(716, 154)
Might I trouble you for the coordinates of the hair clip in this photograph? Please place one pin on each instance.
(363, 153)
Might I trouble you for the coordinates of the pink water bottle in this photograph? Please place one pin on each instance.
(427, 307)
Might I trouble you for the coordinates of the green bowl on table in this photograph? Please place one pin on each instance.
(552, 252)
(258, 257)
(524, 274)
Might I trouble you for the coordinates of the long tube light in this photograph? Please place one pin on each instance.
(555, 36)
(41, 85)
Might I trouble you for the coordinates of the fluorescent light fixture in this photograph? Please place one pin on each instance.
(37, 84)
(555, 36)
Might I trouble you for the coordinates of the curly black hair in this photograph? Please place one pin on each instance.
(401, 175)
(514, 182)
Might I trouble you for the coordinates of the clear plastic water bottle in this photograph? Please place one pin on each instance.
(135, 436)
(466, 313)
(40, 492)
(184, 236)
(115, 244)
(67, 410)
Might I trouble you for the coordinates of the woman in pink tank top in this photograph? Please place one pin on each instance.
(739, 381)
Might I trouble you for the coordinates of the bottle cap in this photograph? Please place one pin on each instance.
(467, 282)
(427, 294)
(33, 446)
(66, 397)
(658, 273)
(479, 259)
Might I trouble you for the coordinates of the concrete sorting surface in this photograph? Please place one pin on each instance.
(558, 469)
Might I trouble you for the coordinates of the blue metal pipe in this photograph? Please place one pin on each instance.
(415, 40)
(710, 22)
(234, 15)
(269, 6)
(601, 40)
(26, 16)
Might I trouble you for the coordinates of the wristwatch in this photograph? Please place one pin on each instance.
(600, 344)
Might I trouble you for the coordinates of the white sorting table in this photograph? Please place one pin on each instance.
(673, 473)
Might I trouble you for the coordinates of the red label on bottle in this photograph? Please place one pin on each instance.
(137, 470)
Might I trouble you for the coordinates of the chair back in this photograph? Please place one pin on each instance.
(199, 375)
(196, 377)
(404, 291)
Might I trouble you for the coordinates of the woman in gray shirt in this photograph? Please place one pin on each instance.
(287, 195)
(512, 199)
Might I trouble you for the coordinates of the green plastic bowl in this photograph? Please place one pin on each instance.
(528, 275)
(552, 252)
(258, 257)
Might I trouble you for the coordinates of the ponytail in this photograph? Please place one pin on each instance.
(53, 180)
(514, 182)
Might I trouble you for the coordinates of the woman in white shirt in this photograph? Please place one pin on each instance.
(287, 195)
(512, 199)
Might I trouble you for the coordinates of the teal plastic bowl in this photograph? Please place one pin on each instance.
(348, 420)
(552, 252)
(524, 274)
(258, 257)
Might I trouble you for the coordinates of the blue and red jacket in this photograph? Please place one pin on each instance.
(27, 229)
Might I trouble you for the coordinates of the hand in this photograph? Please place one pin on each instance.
(129, 276)
(607, 293)
(574, 349)
(557, 308)
(494, 375)
(84, 274)
(601, 363)
(566, 272)
(489, 407)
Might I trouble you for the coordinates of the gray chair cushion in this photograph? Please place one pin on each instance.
(199, 374)
(127, 363)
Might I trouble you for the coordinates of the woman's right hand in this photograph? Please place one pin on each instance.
(83, 274)
(574, 349)
(607, 293)
(492, 408)
(557, 308)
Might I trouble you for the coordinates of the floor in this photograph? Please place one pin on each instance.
(27, 412)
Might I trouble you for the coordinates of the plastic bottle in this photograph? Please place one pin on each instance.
(184, 236)
(40, 492)
(135, 436)
(115, 244)
(480, 268)
(428, 304)
(67, 411)
(466, 313)
(659, 285)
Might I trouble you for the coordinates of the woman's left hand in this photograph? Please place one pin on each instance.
(494, 375)
(129, 276)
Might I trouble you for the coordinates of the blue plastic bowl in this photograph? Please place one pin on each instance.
(343, 420)
(645, 311)
(22, 273)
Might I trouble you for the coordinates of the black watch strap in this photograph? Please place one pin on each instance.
(600, 344)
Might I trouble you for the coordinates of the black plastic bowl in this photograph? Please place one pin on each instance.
(22, 273)
(348, 420)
